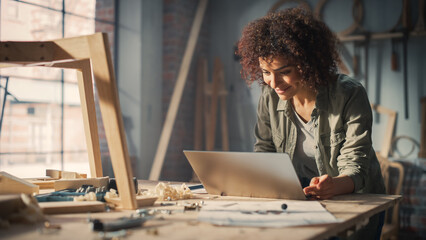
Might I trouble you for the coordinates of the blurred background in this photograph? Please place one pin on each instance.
(383, 47)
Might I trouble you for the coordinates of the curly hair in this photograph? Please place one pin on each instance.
(295, 34)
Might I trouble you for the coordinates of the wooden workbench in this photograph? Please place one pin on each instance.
(353, 209)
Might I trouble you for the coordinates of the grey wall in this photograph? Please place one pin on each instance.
(385, 86)
(140, 66)
(140, 78)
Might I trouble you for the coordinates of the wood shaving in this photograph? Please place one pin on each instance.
(165, 191)
(91, 196)
(111, 194)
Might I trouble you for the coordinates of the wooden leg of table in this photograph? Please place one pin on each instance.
(111, 115)
(87, 99)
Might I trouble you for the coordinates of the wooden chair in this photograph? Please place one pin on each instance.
(88, 55)
(391, 226)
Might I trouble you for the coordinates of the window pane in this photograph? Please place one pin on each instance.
(28, 90)
(55, 4)
(78, 26)
(84, 8)
(31, 127)
(75, 149)
(77, 162)
(29, 165)
(71, 94)
(25, 22)
(35, 73)
(31, 134)
(70, 75)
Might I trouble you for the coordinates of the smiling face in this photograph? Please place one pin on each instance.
(283, 76)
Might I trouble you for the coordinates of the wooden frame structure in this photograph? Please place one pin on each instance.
(88, 55)
(390, 127)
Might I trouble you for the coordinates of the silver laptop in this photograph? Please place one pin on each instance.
(249, 174)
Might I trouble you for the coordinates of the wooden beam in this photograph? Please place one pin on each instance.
(177, 93)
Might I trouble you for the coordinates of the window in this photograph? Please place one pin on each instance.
(41, 125)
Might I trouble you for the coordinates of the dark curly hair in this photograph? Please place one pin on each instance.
(295, 34)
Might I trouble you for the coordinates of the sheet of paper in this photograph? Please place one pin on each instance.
(265, 213)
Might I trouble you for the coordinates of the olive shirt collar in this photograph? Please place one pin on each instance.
(320, 103)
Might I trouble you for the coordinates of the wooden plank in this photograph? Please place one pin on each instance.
(71, 207)
(12, 184)
(76, 183)
(223, 112)
(177, 93)
(211, 128)
(199, 104)
(199, 109)
(44, 182)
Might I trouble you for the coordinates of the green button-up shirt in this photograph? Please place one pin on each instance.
(342, 119)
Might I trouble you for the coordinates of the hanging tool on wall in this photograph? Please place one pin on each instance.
(355, 59)
(366, 48)
(405, 73)
(394, 56)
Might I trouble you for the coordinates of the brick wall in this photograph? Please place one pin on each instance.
(178, 16)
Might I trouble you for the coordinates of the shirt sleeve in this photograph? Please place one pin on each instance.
(262, 129)
(354, 159)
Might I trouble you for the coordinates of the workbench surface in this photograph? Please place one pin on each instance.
(352, 209)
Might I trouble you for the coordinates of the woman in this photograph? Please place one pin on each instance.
(320, 118)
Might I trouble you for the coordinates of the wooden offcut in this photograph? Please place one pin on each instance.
(10, 184)
(177, 93)
(77, 183)
(53, 173)
(142, 201)
(71, 207)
